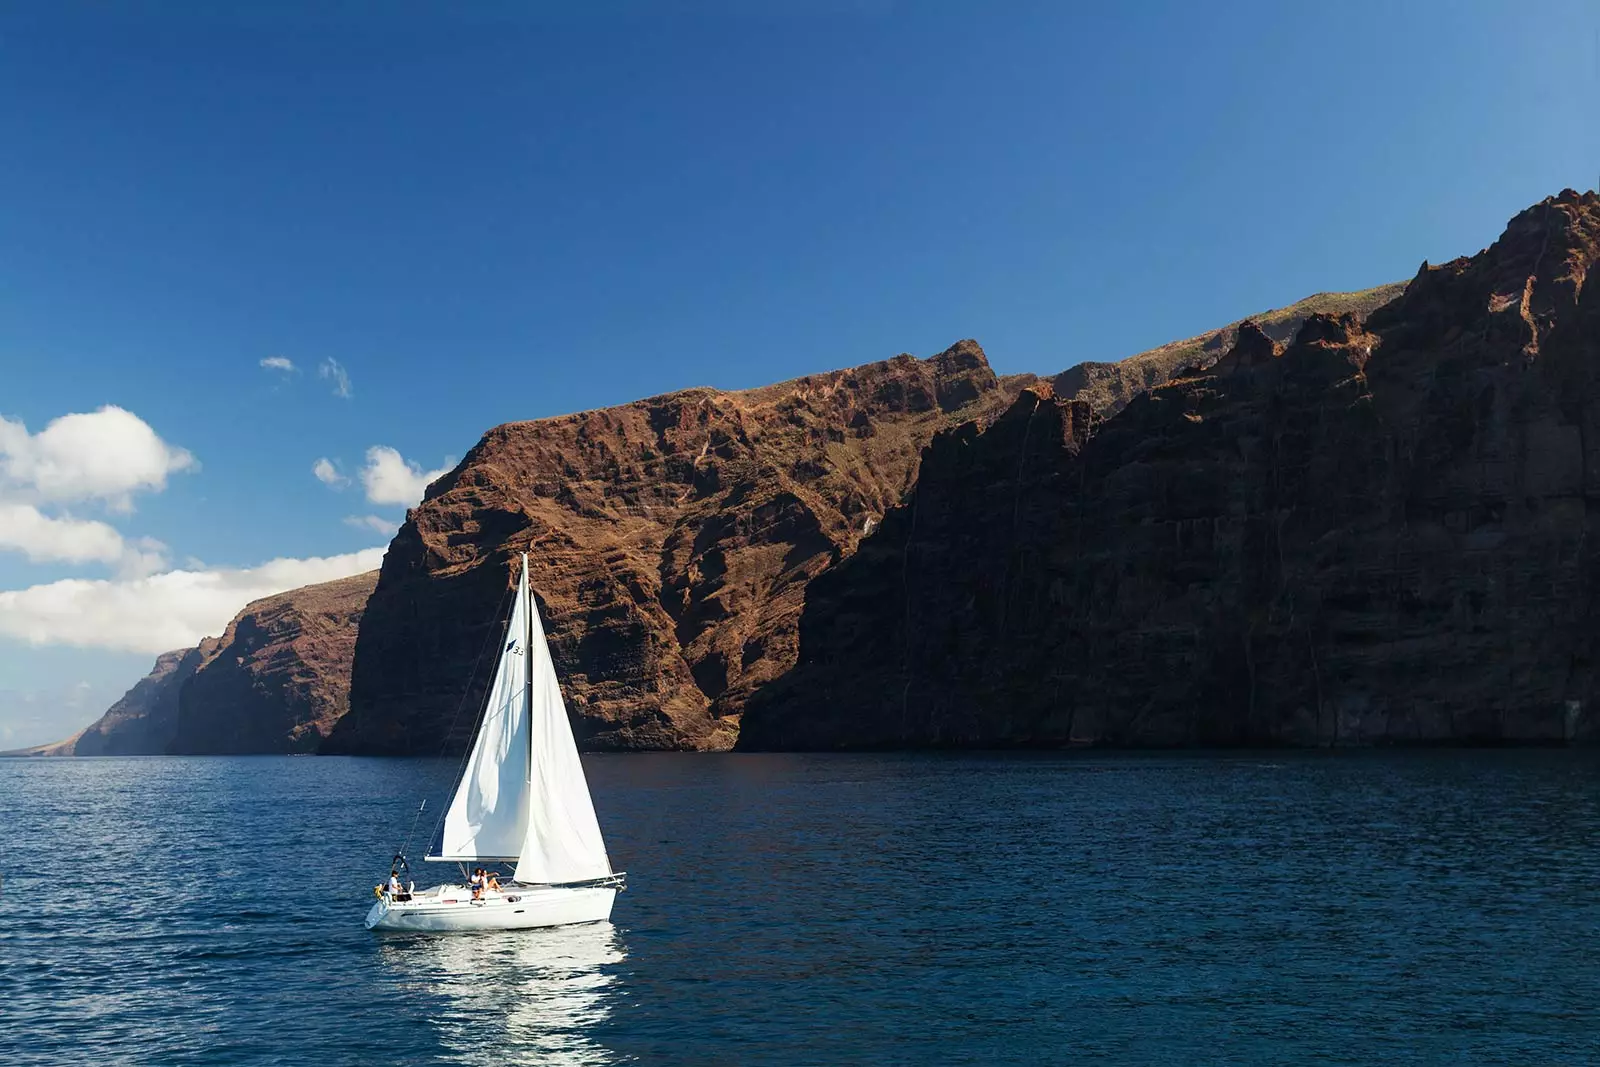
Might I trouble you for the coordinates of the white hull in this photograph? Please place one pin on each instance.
(450, 909)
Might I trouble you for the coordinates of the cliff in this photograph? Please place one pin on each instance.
(279, 678)
(1107, 387)
(275, 682)
(1384, 532)
(672, 541)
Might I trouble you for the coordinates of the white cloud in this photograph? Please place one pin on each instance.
(45, 539)
(279, 363)
(158, 612)
(107, 455)
(24, 528)
(390, 478)
(328, 474)
(142, 556)
(378, 523)
(334, 371)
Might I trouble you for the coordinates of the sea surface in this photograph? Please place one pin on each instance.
(1408, 908)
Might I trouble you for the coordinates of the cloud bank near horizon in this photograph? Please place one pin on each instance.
(157, 613)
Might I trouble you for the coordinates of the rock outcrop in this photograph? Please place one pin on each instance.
(1108, 387)
(1386, 532)
(279, 678)
(142, 721)
(53, 748)
(275, 682)
(672, 541)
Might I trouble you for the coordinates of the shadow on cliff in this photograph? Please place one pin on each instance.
(1383, 533)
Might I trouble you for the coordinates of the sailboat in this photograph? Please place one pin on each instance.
(522, 799)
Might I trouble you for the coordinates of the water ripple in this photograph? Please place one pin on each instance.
(1412, 908)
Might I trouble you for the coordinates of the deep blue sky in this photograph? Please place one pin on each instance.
(523, 211)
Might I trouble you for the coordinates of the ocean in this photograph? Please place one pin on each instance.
(1211, 908)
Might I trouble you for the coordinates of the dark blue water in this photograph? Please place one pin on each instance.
(1416, 908)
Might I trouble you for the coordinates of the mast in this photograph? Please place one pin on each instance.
(527, 681)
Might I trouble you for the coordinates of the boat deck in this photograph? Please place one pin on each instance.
(451, 907)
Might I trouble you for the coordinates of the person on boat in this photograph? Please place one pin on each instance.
(396, 890)
(492, 881)
(477, 883)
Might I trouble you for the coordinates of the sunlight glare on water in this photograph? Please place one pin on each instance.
(548, 988)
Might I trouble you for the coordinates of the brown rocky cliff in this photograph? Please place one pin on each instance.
(672, 541)
(1381, 534)
(279, 678)
(1251, 348)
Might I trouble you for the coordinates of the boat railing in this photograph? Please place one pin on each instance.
(618, 880)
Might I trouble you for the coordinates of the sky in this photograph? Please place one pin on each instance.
(264, 272)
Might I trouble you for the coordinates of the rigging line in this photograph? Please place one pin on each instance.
(406, 846)
(444, 743)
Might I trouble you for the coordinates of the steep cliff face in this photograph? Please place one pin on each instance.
(142, 721)
(275, 682)
(1107, 387)
(279, 678)
(1383, 533)
(672, 541)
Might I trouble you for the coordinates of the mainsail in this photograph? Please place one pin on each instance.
(523, 795)
(488, 818)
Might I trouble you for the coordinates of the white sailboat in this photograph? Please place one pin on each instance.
(522, 799)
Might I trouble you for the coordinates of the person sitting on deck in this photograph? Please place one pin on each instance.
(477, 883)
(492, 881)
(395, 889)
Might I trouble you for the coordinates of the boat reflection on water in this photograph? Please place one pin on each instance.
(518, 996)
